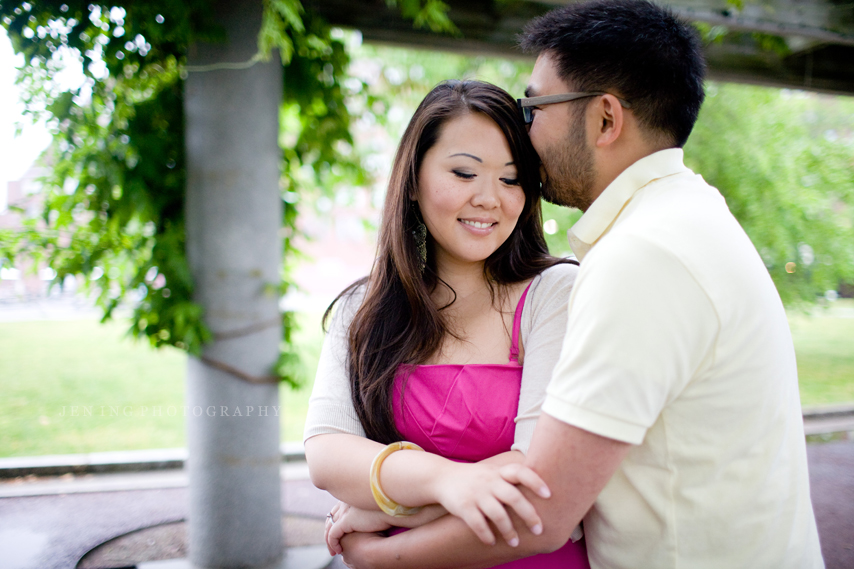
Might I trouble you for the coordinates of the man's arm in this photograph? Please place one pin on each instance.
(576, 464)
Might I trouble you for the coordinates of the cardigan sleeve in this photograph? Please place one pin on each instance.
(330, 409)
(544, 318)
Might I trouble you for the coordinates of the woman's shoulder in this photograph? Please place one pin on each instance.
(353, 296)
(343, 309)
(561, 271)
(561, 274)
(553, 284)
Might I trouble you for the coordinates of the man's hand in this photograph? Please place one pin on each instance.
(478, 493)
(576, 473)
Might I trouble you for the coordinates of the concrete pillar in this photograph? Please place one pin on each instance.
(234, 251)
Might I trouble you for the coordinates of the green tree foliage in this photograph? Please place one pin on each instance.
(784, 161)
(114, 209)
(408, 74)
(114, 202)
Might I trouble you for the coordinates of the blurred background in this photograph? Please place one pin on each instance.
(98, 320)
(783, 158)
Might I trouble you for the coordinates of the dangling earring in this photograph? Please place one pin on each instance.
(419, 234)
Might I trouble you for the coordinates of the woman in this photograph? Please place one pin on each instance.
(418, 351)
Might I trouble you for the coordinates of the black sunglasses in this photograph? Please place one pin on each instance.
(528, 104)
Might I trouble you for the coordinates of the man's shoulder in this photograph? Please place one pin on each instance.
(684, 225)
(677, 213)
(679, 195)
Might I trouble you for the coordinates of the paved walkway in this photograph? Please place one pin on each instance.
(832, 483)
(52, 523)
(115, 520)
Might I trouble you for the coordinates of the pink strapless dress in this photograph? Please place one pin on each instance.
(465, 413)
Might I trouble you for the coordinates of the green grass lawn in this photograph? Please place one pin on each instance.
(79, 386)
(824, 342)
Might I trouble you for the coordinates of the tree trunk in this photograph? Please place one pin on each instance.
(234, 251)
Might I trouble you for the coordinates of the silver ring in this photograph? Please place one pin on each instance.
(330, 518)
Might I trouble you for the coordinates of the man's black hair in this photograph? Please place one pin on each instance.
(634, 49)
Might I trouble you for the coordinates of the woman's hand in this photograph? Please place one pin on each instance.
(349, 519)
(479, 492)
(360, 550)
(344, 519)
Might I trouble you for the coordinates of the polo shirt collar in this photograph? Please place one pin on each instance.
(602, 213)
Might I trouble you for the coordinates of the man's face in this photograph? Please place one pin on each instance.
(558, 133)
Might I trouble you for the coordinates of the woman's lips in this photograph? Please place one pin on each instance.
(477, 224)
(478, 227)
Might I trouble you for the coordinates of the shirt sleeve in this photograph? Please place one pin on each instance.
(639, 328)
(543, 327)
(330, 408)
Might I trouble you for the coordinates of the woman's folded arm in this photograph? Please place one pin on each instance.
(476, 493)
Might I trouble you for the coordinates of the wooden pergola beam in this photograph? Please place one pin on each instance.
(801, 44)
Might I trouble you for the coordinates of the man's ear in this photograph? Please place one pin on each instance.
(610, 120)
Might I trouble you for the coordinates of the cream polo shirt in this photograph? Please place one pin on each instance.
(677, 342)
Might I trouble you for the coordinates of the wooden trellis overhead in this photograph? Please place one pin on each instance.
(803, 44)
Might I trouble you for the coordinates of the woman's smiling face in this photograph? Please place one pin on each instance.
(468, 191)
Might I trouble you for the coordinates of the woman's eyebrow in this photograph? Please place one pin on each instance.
(466, 154)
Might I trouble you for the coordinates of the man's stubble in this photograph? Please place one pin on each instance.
(568, 169)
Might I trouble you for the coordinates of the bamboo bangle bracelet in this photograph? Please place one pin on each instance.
(385, 503)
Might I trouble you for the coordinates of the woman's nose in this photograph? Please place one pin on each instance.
(487, 195)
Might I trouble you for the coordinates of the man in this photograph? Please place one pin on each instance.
(672, 423)
(675, 402)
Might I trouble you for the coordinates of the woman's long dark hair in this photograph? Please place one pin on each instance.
(398, 322)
